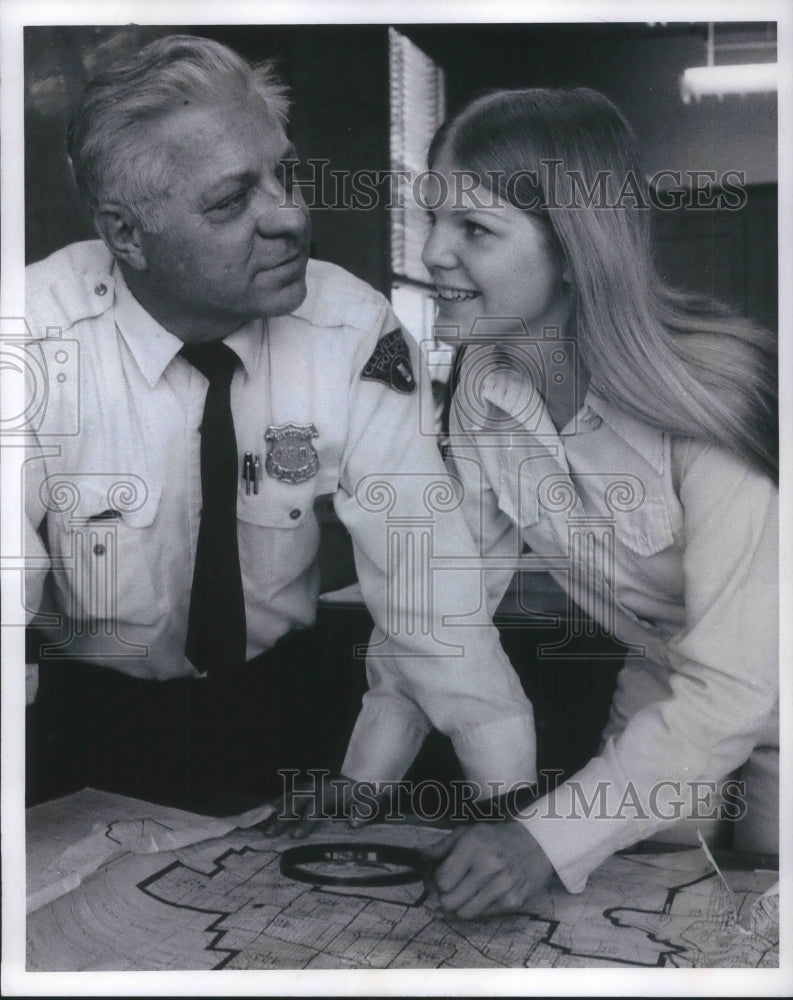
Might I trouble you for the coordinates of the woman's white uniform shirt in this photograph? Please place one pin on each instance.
(672, 546)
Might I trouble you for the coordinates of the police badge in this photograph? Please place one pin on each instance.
(292, 457)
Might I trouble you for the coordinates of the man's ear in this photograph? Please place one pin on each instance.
(121, 231)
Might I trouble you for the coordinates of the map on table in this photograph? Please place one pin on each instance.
(222, 903)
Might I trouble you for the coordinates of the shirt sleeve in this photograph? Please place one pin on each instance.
(435, 658)
(722, 688)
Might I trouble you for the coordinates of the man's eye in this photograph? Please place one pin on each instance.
(475, 229)
(234, 201)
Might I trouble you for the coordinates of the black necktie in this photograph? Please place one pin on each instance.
(216, 624)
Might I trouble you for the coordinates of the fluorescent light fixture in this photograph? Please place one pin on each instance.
(749, 78)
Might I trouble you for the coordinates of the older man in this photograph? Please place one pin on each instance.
(222, 382)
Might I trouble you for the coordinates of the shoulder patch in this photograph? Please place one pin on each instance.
(390, 363)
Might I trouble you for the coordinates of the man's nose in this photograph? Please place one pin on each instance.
(280, 212)
(438, 251)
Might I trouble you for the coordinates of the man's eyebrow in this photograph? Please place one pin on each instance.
(219, 188)
(223, 185)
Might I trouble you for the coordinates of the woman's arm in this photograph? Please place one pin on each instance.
(722, 691)
(722, 694)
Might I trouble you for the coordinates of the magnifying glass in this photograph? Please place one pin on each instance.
(354, 864)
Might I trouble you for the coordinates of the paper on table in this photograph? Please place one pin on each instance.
(136, 827)
(223, 903)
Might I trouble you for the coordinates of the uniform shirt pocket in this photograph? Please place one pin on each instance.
(107, 550)
(647, 529)
(277, 505)
(279, 538)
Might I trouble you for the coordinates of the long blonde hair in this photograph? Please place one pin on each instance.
(680, 362)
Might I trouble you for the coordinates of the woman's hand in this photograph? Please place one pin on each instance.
(488, 868)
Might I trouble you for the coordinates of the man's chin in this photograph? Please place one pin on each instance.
(281, 301)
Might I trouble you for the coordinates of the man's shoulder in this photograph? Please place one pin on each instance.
(335, 297)
(71, 261)
(71, 284)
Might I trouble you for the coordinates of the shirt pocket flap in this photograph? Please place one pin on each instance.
(140, 512)
(277, 505)
(96, 498)
(647, 529)
(104, 531)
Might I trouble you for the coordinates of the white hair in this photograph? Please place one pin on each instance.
(110, 155)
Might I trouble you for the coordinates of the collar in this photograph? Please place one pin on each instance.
(154, 348)
(646, 440)
(318, 307)
(247, 342)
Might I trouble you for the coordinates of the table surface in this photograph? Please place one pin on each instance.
(124, 884)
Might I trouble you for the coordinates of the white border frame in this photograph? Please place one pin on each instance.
(14, 15)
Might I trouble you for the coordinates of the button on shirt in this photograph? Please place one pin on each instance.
(113, 497)
(672, 547)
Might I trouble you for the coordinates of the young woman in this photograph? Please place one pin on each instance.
(624, 434)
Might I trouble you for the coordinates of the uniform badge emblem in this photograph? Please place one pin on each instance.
(390, 363)
(292, 457)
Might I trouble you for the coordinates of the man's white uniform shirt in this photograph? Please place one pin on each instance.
(114, 498)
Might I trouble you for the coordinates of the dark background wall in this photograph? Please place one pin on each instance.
(638, 67)
(728, 254)
(339, 80)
